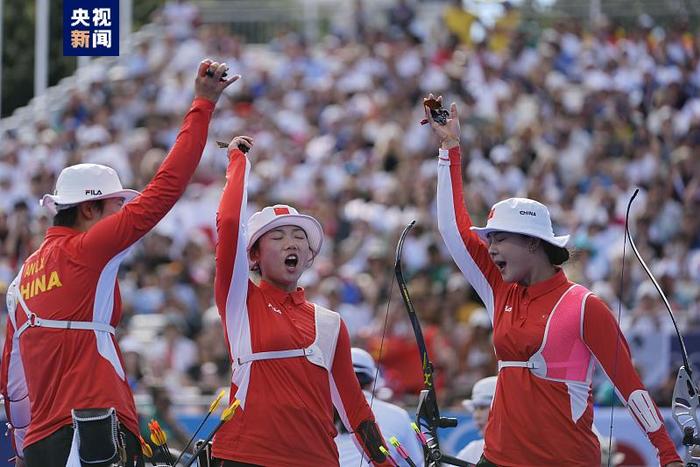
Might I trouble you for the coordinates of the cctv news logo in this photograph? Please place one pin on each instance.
(90, 27)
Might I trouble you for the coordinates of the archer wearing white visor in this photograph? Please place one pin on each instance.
(548, 331)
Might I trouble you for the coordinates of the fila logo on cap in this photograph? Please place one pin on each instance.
(93, 192)
(528, 213)
(281, 211)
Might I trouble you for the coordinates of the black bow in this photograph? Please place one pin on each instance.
(427, 415)
(685, 392)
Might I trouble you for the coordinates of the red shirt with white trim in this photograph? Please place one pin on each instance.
(286, 415)
(530, 422)
(72, 276)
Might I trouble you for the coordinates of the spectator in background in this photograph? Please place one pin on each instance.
(459, 21)
(172, 355)
(392, 419)
(479, 407)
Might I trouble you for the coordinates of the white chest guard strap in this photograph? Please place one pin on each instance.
(33, 321)
(320, 352)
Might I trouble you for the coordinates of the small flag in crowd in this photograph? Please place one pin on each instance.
(90, 27)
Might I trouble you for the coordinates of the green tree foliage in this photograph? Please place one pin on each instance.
(18, 43)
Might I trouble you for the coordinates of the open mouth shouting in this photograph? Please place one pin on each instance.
(501, 265)
(291, 261)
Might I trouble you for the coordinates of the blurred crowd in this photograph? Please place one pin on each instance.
(574, 117)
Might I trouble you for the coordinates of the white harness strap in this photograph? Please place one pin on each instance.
(507, 364)
(274, 354)
(320, 352)
(33, 321)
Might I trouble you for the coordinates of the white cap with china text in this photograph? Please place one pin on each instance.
(524, 216)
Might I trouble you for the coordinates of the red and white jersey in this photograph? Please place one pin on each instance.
(533, 420)
(73, 277)
(286, 413)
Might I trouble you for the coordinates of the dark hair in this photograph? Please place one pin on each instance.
(557, 255)
(69, 217)
(364, 379)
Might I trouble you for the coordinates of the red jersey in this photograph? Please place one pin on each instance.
(286, 412)
(72, 277)
(531, 422)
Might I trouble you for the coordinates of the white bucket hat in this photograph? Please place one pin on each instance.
(278, 215)
(482, 393)
(85, 182)
(524, 216)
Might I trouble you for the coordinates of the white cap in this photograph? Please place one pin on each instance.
(524, 216)
(278, 215)
(482, 393)
(85, 182)
(363, 362)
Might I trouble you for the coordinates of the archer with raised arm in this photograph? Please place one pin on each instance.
(548, 331)
(291, 358)
(61, 366)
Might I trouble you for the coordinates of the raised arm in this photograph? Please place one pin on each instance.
(117, 232)
(607, 343)
(231, 281)
(468, 251)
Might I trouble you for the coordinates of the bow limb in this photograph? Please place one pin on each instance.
(685, 393)
(428, 414)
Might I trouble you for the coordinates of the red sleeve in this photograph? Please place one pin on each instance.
(117, 232)
(605, 340)
(348, 397)
(468, 251)
(230, 244)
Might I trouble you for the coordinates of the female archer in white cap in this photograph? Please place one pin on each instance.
(291, 358)
(548, 331)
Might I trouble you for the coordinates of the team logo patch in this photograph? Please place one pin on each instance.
(281, 211)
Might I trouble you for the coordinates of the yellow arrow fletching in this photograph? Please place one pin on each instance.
(145, 448)
(147, 451)
(158, 436)
(384, 451)
(216, 401)
(228, 412)
(415, 427)
(394, 441)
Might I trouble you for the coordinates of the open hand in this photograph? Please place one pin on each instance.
(448, 133)
(210, 86)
